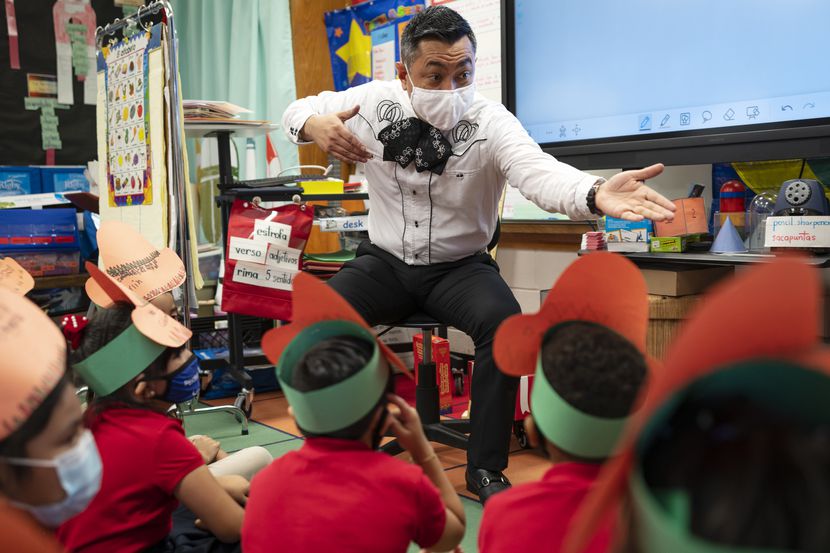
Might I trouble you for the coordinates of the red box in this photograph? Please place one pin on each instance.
(441, 357)
(523, 398)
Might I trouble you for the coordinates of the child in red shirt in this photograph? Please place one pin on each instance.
(729, 451)
(49, 466)
(337, 493)
(588, 372)
(133, 358)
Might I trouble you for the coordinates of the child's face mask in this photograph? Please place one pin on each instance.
(184, 383)
(79, 471)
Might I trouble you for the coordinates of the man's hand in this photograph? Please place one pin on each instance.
(626, 196)
(405, 425)
(330, 134)
(236, 486)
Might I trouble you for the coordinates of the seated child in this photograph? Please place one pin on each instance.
(132, 357)
(731, 450)
(49, 466)
(338, 493)
(152, 274)
(588, 373)
(245, 462)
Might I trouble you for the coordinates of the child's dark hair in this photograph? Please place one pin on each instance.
(755, 478)
(103, 328)
(14, 445)
(331, 361)
(593, 368)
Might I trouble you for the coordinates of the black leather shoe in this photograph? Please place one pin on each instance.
(486, 483)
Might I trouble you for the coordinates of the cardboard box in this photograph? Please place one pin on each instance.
(678, 280)
(668, 244)
(441, 357)
(69, 178)
(690, 218)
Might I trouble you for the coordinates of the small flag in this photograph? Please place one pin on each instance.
(272, 160)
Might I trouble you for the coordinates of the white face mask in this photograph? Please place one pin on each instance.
(79, 471)
(442, 109)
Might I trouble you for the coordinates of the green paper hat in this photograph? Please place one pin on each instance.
(664, 515)
(340, 405)
(132, 351)
(569, 429)
(119, 361)
(732, 343)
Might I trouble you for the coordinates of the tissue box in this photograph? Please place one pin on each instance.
(441, 357)
(690, 218)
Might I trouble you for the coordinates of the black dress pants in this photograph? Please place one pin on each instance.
(468, 294)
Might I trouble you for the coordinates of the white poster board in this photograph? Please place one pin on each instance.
(484, 17)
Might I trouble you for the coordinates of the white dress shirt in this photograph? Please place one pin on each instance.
(424, 218)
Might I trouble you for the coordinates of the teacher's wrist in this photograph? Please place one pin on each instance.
(592, 196)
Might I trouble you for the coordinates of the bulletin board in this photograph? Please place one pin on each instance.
(28, 125)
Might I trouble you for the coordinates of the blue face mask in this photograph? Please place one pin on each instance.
(184, 384)
(79, 471)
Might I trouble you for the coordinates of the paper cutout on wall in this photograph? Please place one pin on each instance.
(363, 40)
(50, 138)
(129, 156)
(75, 24)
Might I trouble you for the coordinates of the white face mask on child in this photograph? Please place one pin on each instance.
(79, 471)
(442, 109)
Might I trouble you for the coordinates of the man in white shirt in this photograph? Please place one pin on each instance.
(437, 157)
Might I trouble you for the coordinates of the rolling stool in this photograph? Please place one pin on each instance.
(447, 432)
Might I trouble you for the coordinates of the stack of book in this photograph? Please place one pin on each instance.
(207, 111)
(325, 265)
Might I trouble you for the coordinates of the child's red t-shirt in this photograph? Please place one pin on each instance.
(537, 516)
(339, 495)
(145, 455)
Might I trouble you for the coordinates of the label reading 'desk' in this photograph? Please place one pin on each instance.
(243, 249)
(286, 259)
(272, 232)
(261, 275)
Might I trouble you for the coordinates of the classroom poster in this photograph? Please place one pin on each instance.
(129, 160)
(74, 22)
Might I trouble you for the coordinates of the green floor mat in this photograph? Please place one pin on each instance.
(224, 428)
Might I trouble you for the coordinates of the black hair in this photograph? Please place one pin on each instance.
(14, 445)
(435, 22)
(331, 361)
(104, 326)
(755, 478)
(593, 368)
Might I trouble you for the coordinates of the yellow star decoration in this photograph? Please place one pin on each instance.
(357, 52)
